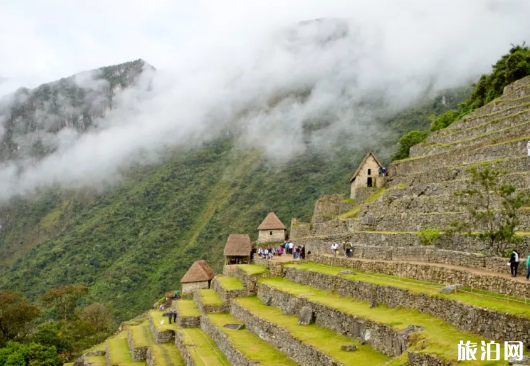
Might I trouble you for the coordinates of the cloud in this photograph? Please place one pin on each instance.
(250, 69)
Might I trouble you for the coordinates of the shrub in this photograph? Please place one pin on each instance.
(410, 139)
(428, 235)
(444, 120)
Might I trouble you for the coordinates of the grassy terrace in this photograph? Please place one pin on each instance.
(230, 283)
(202, 348)
(187, 308)
(141, 335)
(210, 297)
(253, 269)
(94, 361)
(157, 318)
(316, 336)
(483, 299)
(438, 338)
(253, 347)
(119, 351)
(166, 354)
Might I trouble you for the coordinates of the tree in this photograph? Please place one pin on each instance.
(410, 139)
(16, 354)
(16, 315)
(495, 226)
(64, 299)
(99, 315)
(444, 120)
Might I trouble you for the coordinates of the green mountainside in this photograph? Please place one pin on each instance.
(135, 240)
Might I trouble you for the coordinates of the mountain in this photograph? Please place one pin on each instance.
(134, 239)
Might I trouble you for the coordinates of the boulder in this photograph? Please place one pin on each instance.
(450, 289)
(306, 316)
(373, 303)
(524, 361)
(349, 348)
(268, 301)
(234, 326)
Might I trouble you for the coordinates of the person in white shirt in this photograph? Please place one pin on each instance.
(334, 248)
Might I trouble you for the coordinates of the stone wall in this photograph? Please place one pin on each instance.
(423, 359)
(327, 207)
(160, 336)
(271, 236)
(275, 268)
(381, 337)
(362, 193)
(180, 343)
(188, 321)
(188, 288)
(150, 358)
(233, 355)
(223, 308)
(137, 353)
(488, 323)
(432, 273)
(299, 229)
(250, 281)
(333, 227)
(301, 352)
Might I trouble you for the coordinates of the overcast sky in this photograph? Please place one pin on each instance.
(45, 40)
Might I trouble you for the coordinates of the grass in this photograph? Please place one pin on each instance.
(374, 196)
(352, 213)
(253, 347)
(371, 198)
(230, 283)
(202, 348)
(166, 354)
(157, 318)
(119, 351)
(187, 308)
(141, 335)
(210, 297)
(316, 336)
(348, 200)
(485, 299)
(94, 361)
(253, 269)
(438, 338)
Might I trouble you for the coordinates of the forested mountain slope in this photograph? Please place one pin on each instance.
(134, 240)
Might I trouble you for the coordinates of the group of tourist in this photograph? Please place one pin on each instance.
(383, 172)
(287, 248)
(347, 249)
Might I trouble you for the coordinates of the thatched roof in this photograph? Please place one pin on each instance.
(272, 222)
(238, 245)
(199, 271)
(362, 163)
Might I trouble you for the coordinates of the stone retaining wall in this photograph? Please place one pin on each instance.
(223, 308)
(189, 321)
(150, 358)
(332, 227)
(422, 359)
(248, 280)
(275, 268)
(488, 323)
(302, 353)
(430, 273)
(381, 337)
(137, 353)
(299, 229)
(233, 355)
(184, 352)
(160, 336)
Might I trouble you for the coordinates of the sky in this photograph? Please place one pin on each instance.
(222, 65)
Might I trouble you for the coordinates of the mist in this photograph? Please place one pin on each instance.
(259, 73)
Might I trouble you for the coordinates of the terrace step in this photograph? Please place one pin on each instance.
(485, 314)
(242, 347)
(118, 353)
(209, 301)
(229, 287)
(164, 355)
(139, 338)
(188, 314)
(309, 345)
(391, 331)
(198, 349)
(162, 331)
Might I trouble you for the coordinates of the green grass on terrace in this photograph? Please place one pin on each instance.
(157, 318)
(230, 283)
(119, 351)
(438, 338)
(355, 211)
(202, 348)
(253, 269)
(94, 361)
(141, 335)
(187, 308)
(484, 299)
(166, 354)
(210, 297)
(374, 196)
(352, 213)
(253, 347)
(316, 336)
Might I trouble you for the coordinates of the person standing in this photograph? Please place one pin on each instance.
(334, 248)
(291, 247)
(302, 252)
(528, 267)
(514, 263)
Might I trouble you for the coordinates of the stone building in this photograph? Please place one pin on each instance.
(200, 275)
(271, 230)
(237, 249)
(366, 178)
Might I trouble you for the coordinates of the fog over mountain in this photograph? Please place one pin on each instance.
(252, 71)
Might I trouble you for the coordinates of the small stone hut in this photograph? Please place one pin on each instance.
(271, 230)
(199, 276)
(366, 176)
(237, 249)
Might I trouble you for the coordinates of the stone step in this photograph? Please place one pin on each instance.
(188, 314)
(485, 315)
(508, 165)
(139, 338)
(241, 346)
(469, 138)
(209, 301)
(117, 351)
(229, 287)
(198, 349)
(464, 155)
(309, 345)
(164, 355)
(161, 329)
(391, 331)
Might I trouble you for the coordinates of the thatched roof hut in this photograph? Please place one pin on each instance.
(272, 222)
(199, 271)
(238, 245)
